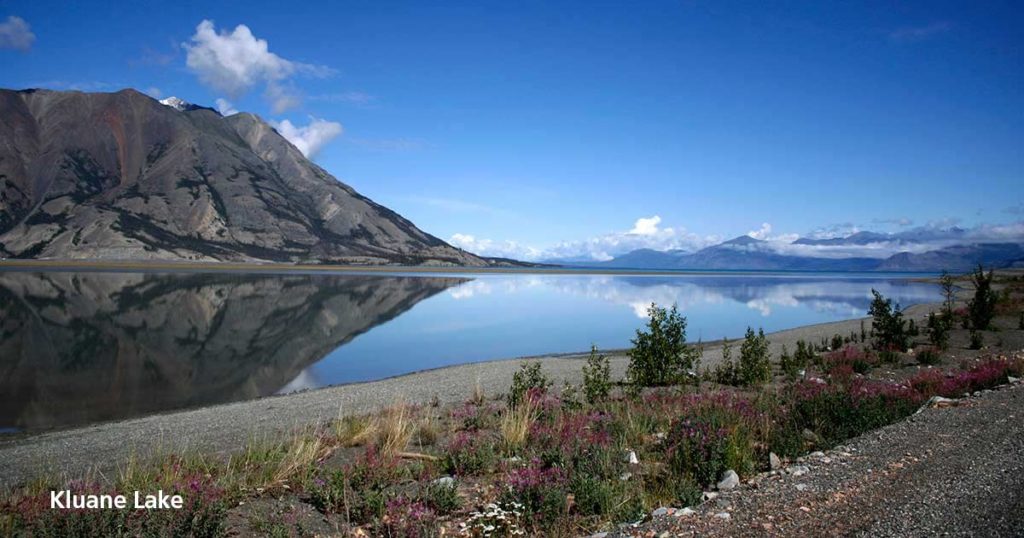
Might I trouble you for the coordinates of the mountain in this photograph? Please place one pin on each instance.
(959, 258)
(859, 238)
(124, 176)
(78, 348)
(748, 253)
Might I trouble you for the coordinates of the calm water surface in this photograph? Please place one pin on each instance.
(83, 347)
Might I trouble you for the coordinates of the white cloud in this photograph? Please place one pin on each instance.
(309, 139)
(645, 233)
(500, 249)
(234, 62)
(225, 107)
(16, 34)
(764, 233)
(648, 226)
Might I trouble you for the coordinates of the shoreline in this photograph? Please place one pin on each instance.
(285, 268)
(219, 429)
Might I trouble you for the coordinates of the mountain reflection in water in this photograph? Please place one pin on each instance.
(83, 347)
(77, 348)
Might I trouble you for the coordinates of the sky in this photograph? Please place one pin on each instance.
(544, 130)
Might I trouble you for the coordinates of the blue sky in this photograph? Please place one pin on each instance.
(556, 128)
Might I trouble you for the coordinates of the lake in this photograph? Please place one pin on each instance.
(83, 347)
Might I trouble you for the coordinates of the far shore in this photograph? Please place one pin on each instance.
(103, 448)
(272, 268)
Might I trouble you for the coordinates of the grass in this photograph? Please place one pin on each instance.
(516, 423)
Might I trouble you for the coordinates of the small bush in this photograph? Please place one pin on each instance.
(938, 329)
(887, 324)
(660, 355)
(982, 307)
(440, 497)
(541, 491)
(789, 364)
(928, 355)
(469, 453)
(977, 339)
(701, 449)
(804, 354)
(755, 363)
(529, 377)
(597, 381)
(837, 342)
(725, 372)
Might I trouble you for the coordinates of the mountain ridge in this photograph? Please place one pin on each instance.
(122, 176)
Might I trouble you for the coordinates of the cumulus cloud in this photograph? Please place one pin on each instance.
(648, 226)
(309, 139)
(225, 107)
(16, 34)
(236, 61)
(764, 233)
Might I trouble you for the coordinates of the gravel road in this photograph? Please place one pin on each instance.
(956, 471)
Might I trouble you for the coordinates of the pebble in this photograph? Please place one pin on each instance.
(723, 515)
(798, 470)
(1012, 379)
(599, 535)
(446, 481)
(801, 487)
(729, 480)
(708, 495)
(662, 511)
(685, 512)
(817, 454)
(631, 458)
(774, 462)
(664, 534)
(625, 476)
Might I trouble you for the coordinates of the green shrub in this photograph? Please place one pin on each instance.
(977, 339)
(597, 381)
(928, 355)
(440, 497)
(755, 363)
(982, 307)
(789, 364)
(804, 354)
(529, 377)
(938, 329)
(660, 355)
(593, 496)
(836, 343)
(725, 372)
(887, 324)
(702, 448)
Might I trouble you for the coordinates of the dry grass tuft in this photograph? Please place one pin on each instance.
(516, 422)
(394, 429)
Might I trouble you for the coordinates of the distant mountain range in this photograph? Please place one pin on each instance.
(748, 253)
(122, 176)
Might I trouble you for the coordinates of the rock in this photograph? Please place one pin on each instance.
(723, 515)
(661, 511)
(1011, 379)
(664, 534)
(801, 487)
(729, 480)
(774, 462)
(625, 476)
(940, 402)
(808, 435)
(599, 535)
(798, 470)
(709, 495)
(631, 458)
(826, 459)
(445, 481)
(685, 512)
(817, 454)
